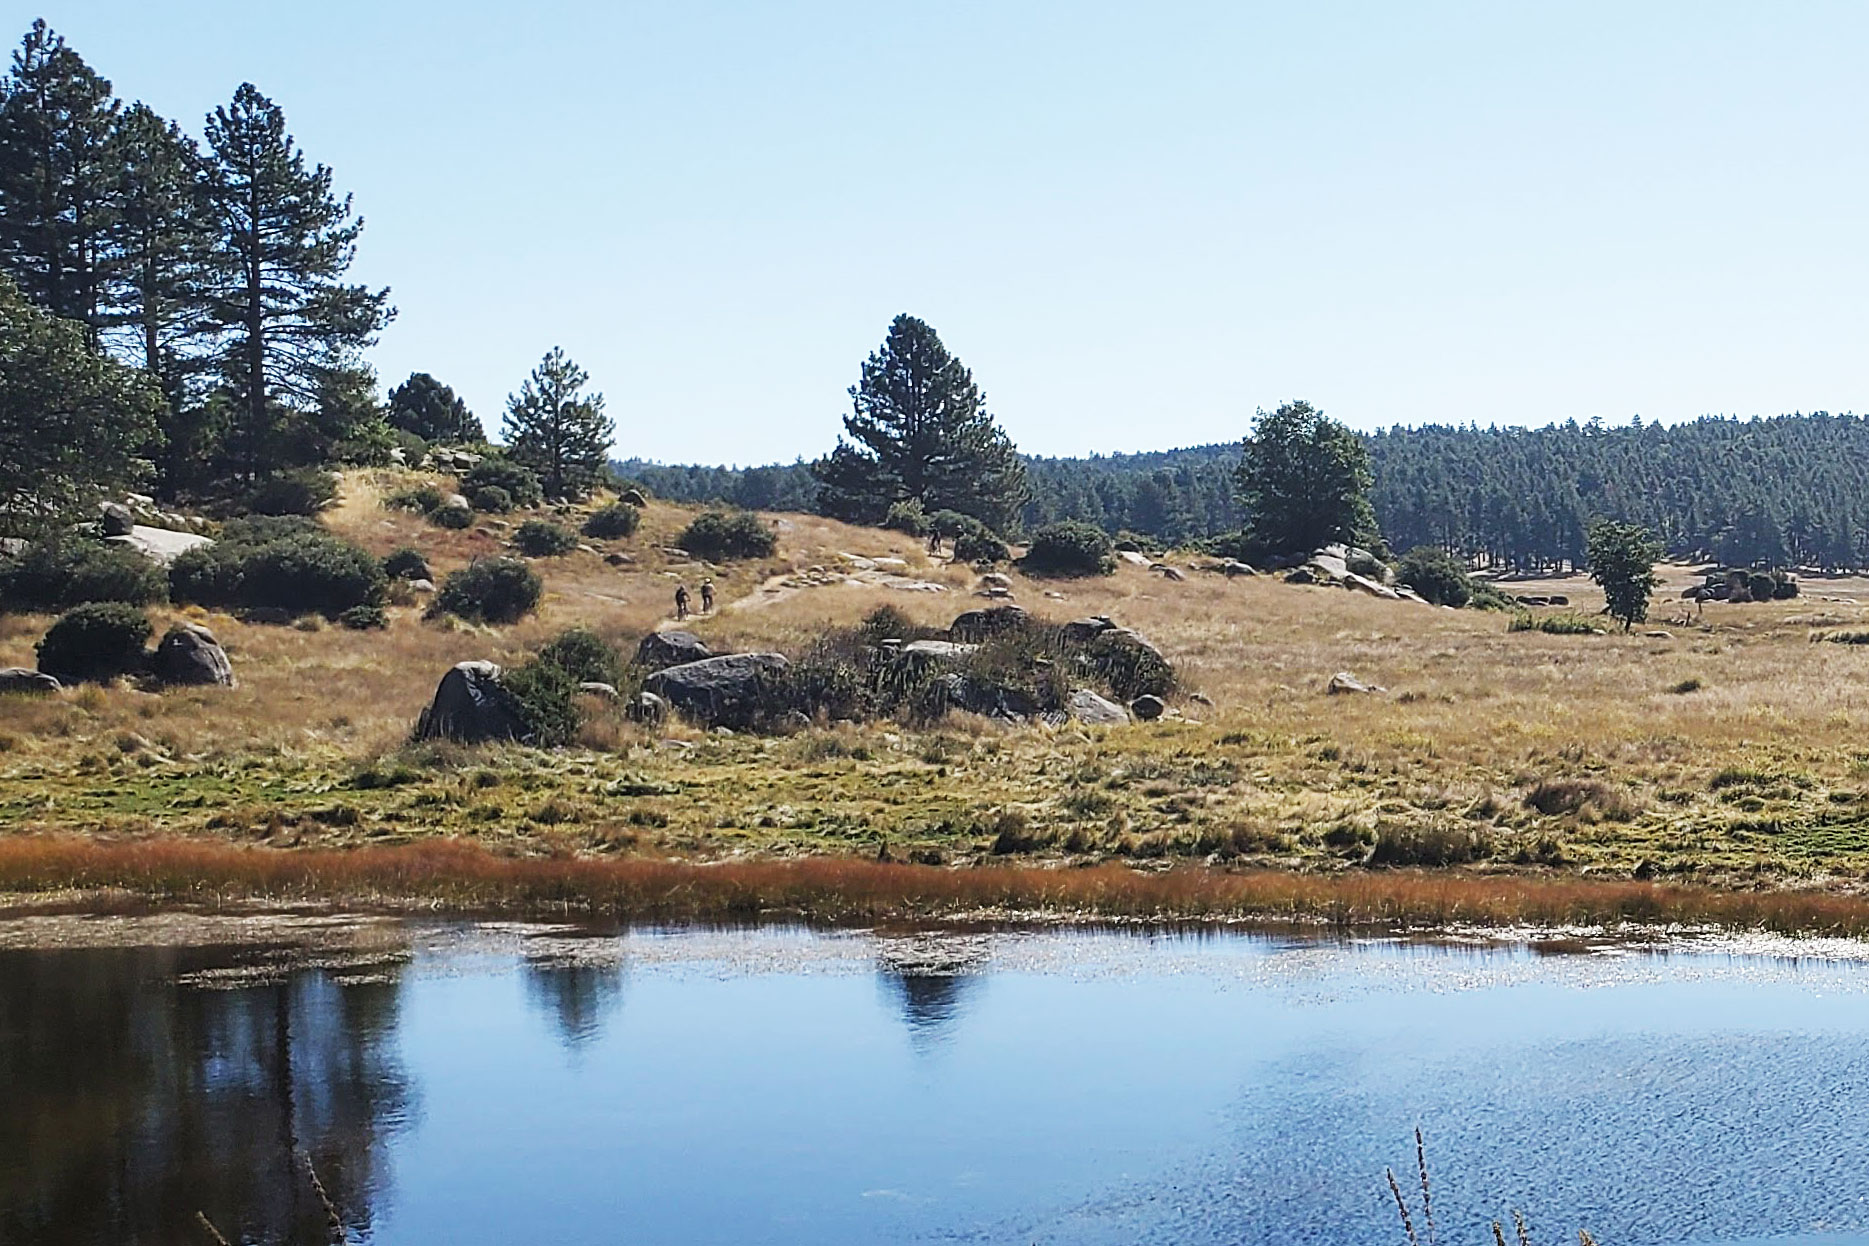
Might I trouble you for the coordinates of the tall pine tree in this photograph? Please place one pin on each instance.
(561, 435)
(920, 430)
(284, 242)
(432, 411)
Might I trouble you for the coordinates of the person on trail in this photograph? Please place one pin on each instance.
(681, 601)
(707, 596)
(934, 542)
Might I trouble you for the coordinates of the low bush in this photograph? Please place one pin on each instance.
(422, 499)
(491, 590)
(979, 543)
(365, 618)
(1592, 800)
(544, 697)
(583, 655)
(719, 537)
(95, 643)
(613, 522)
(302, 491)
(59, 573)
(1069, 548)
(909, 517)
(1568, 624)
(1486, 597)
(1437, 575)
(1429, 845)
(406, 564)
(490, 500)
(455, 518)
(541, 538)
(521, 483)
(278, 567)
(950, 524)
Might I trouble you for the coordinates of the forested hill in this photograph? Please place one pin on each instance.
(1792, 489)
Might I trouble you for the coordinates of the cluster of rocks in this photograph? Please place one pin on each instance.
(1332, 565)
(451, 461)
(158, 535)
(188, 655)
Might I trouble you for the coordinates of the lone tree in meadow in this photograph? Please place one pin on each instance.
(1304, 480)
(432, 411)
(919, 430)
(1622, 560)
(553, 429)
(285, 242)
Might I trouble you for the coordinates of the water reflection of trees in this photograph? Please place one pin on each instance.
(130, 1101)
(930, 979)
(578, 994)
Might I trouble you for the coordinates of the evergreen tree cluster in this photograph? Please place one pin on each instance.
(217, 267)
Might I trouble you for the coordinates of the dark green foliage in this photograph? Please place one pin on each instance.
(1069, 548)
(584, 656)
(453, 517)
(541, 538)
(490, 500)
(544, 696)
(563, 436)
(890, 623)
(1304, 481)
(1569, 623)
(920, 430)
(299, 491)
(1761, 586)
(719, 537)
(613, 522)
(490, 590)
(909, 517)
(1487, 597)
(1437, 575)
(365, 618)
(1622, 560)
(274, 567)
(520, 482)
(406, 564)
(778, 487)
(979, 543)
(95, 643)
(65, 571)
(422, 499)
(432, 411)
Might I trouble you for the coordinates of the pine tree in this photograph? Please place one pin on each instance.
(1304, 480)
(57, 173)
(284, 242)
(432, 411)
(921, 431)
(563, 437)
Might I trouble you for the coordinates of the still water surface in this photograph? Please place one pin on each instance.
(506, 1084)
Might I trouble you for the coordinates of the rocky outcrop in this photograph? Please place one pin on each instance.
(729, 691)
(974, 695)
(978, 625)
(1148, 709)
(1086, 706)
(1083, 631)
(25, 681)
(646, 708)
(470, 706)
(160, 545)
(672, 648)
(188, 654)
(115, 518)
(1343, 682)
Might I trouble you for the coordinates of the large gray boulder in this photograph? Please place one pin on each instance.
(975, 695)
(189, 654)
(1148, 708)
(1083, 631)
(115, 518)
(936, 652)
(160, 545)
(1087, 707)
(733, 690)
(672, 648)
(470, 706)
(978, 625)
(25, 681)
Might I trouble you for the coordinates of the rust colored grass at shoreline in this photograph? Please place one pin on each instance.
(463, 877)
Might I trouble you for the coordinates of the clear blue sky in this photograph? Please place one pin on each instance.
(1135, 222)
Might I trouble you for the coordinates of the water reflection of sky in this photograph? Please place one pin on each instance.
(777, 1085)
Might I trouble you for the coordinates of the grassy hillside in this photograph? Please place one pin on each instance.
(1721, 751)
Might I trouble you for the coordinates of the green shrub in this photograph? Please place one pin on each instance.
(908, 516)
(1487, 597)
(717, 537)
(59, 573)
(541, 538)
(1069, 548)
(544, 697)
(96, 643)
(365, 618)
(491, 590)
(258, 566)
(490, 500)
(422, 499)
(521, 483)
(979, 543)
(1437, 575)
(951, 524)
(1761, 586)
(302, 491)
(583, 655)
(406, 564)
(612, 522)
(453, 517)
(1568, 624)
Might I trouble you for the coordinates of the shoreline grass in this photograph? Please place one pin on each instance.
(462, 877)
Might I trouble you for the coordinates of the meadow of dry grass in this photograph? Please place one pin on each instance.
(1722, 752)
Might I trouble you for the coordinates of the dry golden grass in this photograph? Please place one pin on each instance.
(1553, 753)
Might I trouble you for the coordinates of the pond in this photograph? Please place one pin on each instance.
(462, 1084)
